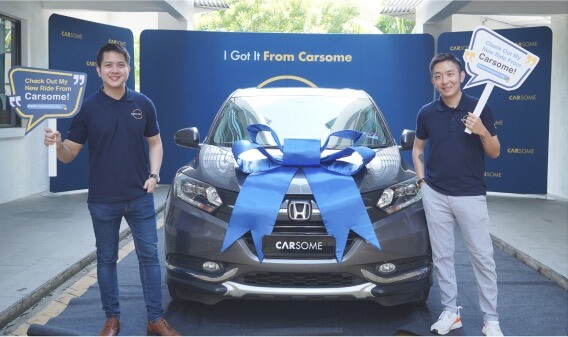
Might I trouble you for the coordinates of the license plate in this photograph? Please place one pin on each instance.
(292, 246)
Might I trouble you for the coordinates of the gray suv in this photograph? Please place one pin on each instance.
(298, 257)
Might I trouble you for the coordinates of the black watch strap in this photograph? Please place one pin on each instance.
(155, 176)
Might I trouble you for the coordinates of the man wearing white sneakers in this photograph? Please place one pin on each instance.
(454, 190)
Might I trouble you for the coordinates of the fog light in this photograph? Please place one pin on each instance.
(211, 267)
(386, 268)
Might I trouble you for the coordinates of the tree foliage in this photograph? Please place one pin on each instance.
(300, 16)
(394, 25)
(285, 16)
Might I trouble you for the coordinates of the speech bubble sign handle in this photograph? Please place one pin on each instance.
(482, 101)
(52, 150)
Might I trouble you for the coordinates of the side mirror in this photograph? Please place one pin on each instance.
(407, 140)
(188, 137)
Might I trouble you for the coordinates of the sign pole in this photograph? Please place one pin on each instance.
(52, 150)
(482, 101)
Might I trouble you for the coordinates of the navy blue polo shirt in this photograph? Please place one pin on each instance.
(455, 160)
(118, 152)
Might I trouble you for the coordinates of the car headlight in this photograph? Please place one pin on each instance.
(399, 196)
(197, 193)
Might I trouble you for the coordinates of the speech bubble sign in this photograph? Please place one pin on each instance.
(495, 61)
(38, 94)
(491, 58)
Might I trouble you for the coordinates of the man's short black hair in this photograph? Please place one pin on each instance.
(112, 47)
(444, 57)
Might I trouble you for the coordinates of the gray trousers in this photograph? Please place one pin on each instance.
(470, 213)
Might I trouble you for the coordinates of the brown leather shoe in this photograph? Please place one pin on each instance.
(161, 327)
(111, 328)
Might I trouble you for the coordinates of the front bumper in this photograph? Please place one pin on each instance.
(192, 237)
(409, 287)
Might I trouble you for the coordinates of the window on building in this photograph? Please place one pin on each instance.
(9, 56)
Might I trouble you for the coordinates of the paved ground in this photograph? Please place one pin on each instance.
(535, 230)
(523, 292)
(48, 238)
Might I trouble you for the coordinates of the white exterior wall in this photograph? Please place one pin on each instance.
(463, 23)
(558, 138)
(24, 159)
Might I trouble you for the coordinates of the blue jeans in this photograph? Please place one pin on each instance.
(140, 215)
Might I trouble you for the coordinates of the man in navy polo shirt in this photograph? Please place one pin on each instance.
(454, 191)
(118, 122)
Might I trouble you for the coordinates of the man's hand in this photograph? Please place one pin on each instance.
(52, 137)
(475, 125)
(491, 144)
(150, 185)
(66, 150)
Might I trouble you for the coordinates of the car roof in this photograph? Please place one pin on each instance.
(307, 91)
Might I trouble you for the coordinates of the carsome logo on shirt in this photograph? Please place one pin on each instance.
(137, 114)
(299, 245)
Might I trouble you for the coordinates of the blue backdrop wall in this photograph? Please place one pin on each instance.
(73, 46)
(189, 74)
(522, 115)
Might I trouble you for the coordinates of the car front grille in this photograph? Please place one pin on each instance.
(230, 197)
(299, 280)
(283, 225)
(293, 230)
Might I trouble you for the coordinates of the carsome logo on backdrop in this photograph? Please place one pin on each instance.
(304, 56)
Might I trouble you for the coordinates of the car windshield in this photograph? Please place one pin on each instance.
(302, 117)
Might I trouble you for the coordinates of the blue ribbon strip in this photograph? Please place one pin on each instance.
(336, 194)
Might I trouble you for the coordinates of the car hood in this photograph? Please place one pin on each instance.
(217, 166)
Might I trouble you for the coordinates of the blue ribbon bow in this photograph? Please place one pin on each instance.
(334, 190)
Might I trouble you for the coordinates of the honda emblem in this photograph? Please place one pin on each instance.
(299, 210)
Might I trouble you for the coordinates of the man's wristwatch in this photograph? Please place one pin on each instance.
(155, 176)
(419, 181)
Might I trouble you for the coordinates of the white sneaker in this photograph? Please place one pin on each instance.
(446, 322)
(491, 328)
